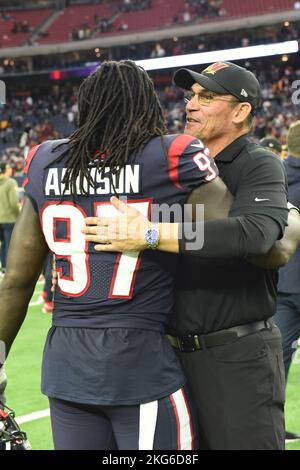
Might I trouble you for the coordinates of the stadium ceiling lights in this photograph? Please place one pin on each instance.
(240, 53)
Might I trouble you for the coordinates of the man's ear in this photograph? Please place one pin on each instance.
(241, 112)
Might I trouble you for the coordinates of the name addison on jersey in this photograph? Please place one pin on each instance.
(152, 459)
(128, 181)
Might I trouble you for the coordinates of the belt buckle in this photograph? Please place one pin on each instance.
(189, 343)
(268, 325)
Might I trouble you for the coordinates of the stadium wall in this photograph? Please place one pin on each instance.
(136, 38)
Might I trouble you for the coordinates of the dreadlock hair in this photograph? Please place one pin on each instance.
(118, 113)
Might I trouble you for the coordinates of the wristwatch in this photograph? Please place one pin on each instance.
(152, 236)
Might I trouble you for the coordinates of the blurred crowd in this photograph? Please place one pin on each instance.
(210, 42)
(28, 120)
(169, 47)
(135, 5)
(199, 10)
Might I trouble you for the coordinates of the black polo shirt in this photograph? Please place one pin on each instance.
(216, 287)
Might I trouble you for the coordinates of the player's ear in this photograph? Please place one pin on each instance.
(240, 112)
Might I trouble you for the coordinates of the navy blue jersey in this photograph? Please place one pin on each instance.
(113, 289)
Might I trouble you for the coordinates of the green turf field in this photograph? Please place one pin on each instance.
(24, 365)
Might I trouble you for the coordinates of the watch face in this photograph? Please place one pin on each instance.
(152, 236)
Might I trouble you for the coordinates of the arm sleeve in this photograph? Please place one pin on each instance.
(257, 218)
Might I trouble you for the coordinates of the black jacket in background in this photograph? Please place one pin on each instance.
(289, 275)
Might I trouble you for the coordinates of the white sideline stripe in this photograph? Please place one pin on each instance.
(185, 435)
(33, 416)
(35, 303)
(147, 425)
(291, 441)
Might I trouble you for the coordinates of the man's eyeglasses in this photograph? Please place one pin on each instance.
(206, 98)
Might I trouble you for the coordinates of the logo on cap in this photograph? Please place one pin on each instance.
(215, 68)
(244, 93)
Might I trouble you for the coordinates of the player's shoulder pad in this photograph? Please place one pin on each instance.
(178, 144)
(44, 152)
(180, 149)
(47, 147)
(55, 146)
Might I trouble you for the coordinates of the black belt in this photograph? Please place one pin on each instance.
(190, 342)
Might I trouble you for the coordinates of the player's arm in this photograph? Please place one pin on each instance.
(122, 238)
(27, 253)
(127, 231)
(216, 198)
(257, 218)
(283, 249)
(217, 201)
(251, 230)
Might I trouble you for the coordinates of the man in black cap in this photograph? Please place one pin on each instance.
(237, 374)
(222, 324)
(272, 144)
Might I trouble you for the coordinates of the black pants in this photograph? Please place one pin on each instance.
(238, 389)
(169, 423)
(5, 236)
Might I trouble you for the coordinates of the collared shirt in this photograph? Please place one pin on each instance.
(216, 287)
(289, 275)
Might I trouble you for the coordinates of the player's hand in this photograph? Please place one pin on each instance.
(124, 232)
(3, 382)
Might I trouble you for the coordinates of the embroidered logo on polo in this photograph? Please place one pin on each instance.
(214, 68)
(259, 200)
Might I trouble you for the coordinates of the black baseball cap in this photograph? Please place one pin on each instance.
(223, 77)
(271, 143)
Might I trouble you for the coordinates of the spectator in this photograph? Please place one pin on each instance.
(287, 315)
(123, 27)
(273, 144)
(126, 5)
(9, 209)
(158, 51)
